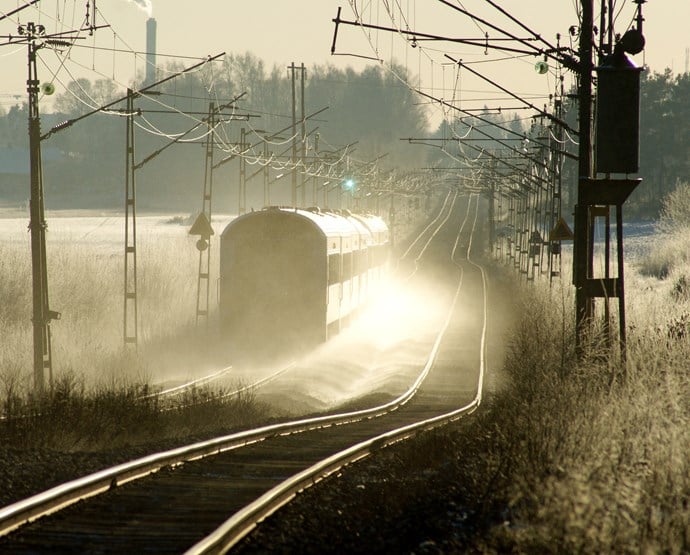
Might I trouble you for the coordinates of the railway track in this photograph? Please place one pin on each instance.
(173, 398)
(177, 504)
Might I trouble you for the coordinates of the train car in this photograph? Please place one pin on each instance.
(290, 277)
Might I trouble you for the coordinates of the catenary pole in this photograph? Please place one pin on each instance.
(582, 263)
(41, 313)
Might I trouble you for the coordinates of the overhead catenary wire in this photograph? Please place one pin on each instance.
(119, 100)
(390, 66)
(154, 99)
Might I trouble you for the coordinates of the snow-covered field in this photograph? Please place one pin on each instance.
(85, 281)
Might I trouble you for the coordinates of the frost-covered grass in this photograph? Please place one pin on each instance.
(86, 276)
(588, 454)
(595, 465)
(73, 417)
(96, 398)
(568, 456)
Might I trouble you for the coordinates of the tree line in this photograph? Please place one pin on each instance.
(370, 110)
(84, 164)
(664, 139)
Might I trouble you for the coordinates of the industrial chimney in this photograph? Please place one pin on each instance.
(150, 51)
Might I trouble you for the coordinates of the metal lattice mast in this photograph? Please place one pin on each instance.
(293, 158)
(242, 201)
(303, 138)
(266, 171)
(556, 180)
(204, 243)
(42, 315)
(131, 313)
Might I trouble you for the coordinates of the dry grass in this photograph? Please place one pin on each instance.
(584, 463)
(72, 418)
(86, 286)
(94, 398)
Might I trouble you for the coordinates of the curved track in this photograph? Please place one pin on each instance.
(241, 523)
(172, 509)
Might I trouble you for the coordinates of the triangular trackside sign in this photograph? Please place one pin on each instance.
(201, 226)
(561, 231)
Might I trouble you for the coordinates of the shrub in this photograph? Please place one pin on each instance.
(594, 466)
(675, 209)
(671, 249)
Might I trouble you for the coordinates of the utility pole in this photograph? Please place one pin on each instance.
(292, 67)
(42, 315)
(554, 266)
(315, 198)
(294, 140)
(205, 230)
(267, 194)
(131, 312)
(303, 136)
(492, 213)
(242, 200)
(581, 259)
(618, 89)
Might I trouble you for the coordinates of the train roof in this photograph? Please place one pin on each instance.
(375, 224)
(330, 223)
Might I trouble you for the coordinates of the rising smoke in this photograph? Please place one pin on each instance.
(145, 5)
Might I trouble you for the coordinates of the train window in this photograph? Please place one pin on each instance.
(361, 261)
(334, 268)
(374, 256)
(347, 265)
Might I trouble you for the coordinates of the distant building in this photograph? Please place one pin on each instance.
(151, 28)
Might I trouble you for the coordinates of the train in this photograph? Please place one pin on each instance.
(290, 278)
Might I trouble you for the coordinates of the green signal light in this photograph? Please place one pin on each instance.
(349, 184)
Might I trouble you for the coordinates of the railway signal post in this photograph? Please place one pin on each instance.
(617, 124)
(42, 315)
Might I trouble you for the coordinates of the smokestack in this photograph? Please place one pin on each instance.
(150, 50)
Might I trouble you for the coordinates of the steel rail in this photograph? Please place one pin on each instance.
(177, 390)
(431, 223)
(249, 387)
(212, 377)
(262, 381)
(54, 499)
(431, 238)
(246, 519)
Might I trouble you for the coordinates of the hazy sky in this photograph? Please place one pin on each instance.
(282, 31)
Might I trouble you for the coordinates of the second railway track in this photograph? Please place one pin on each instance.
(174, 508)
